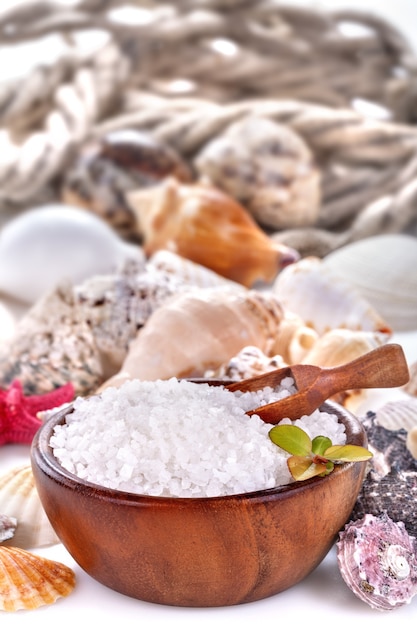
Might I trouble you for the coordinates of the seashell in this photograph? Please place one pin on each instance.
(340, 345)
(47, 245)
(248, 362)
(268, 168)
(7, 527)
(205, 225)
(377, 559)
(119, 162)
(28, 581)
(293, 340)
(187, 272)
(399, 414)
(81, 333)
(197, 331)
(324, 300)
(381, 269)
(390, 485)
(411, 386)
(19, 499)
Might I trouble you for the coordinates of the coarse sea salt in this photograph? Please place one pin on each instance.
(179, 438)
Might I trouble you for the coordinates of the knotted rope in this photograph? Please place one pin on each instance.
(296, 66)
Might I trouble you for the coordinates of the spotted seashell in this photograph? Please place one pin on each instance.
(268, 168)
(19, 499)
(7, 527)
(28, 581)
(377, 559)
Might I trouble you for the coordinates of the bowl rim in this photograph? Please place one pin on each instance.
(42, 456)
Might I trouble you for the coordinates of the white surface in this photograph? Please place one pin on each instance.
(322, 598)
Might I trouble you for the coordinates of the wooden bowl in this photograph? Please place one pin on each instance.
(197, 552)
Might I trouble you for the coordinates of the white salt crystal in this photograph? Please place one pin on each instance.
(177, 438)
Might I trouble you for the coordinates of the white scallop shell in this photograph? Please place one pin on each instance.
(316, 293)
(399, 414)
(19, 499)
(383, 270)
(48, 245)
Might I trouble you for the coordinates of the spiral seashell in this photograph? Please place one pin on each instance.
(19, 499)
(28, 581)
(377, 559)
(120, 161)
(268, 168)
(200, 330)
(209, 227)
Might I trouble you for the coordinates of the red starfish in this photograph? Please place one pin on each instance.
(18, 413)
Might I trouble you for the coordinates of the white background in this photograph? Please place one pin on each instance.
(322, 598)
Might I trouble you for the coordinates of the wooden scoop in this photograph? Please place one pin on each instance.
(385, 366)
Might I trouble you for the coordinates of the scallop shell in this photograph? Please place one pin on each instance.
(47, 245)
(198, 331)
(28, 581)
(324, 300)
(398, 414)
(340, 345)
(268, 168)
(378, 561)
(205, 225)
(382, 270)
(19, 499)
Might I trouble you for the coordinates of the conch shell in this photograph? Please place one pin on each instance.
(19, 499)
(267, 167)
(200, 330)
(28, 581)
(205, 225)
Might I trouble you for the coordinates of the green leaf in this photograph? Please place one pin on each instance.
(321, 444)
(291, 438)
(303, 469)
(347, 453)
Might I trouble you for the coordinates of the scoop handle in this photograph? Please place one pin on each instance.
(383, 367)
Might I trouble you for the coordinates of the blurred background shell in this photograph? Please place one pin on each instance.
(29, 581)
(268, 168)
(324, 300)
(54, 243)
(383, 269)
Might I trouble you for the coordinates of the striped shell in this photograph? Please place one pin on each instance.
(28, 581)
(378, 561)
(19, 499)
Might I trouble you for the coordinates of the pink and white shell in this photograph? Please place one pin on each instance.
(377, 559)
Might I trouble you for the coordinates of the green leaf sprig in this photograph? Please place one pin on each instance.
(313, 457)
